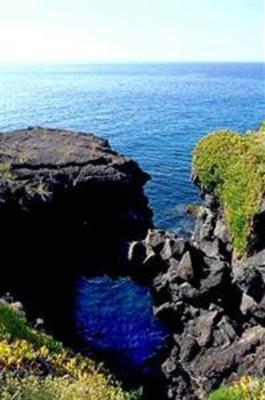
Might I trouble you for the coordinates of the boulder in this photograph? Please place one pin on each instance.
(181, 270)
(155, 240)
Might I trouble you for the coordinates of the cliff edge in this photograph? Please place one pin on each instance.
(210, 290)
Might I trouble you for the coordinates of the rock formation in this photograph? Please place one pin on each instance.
(68, 202)
(72, 172)
(213, 303)
(210, 289)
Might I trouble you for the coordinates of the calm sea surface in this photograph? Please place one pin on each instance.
(155, 113)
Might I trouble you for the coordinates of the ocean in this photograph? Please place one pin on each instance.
(154, 113)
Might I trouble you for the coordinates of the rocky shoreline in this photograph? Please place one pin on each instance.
(69, 203)
(211, 297)
(214, 306)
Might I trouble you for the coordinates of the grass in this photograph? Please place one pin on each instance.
(247, 388)
(36, 367)
(233, 167)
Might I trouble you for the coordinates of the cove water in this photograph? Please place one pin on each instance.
(154, 113)
(115, 317)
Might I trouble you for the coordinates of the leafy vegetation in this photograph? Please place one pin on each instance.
(246, 388)
(34, 366)
(233, 167)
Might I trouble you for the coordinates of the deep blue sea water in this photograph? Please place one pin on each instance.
(155, 113)
(132, 336)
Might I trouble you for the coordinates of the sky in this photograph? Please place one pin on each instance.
(80, 31)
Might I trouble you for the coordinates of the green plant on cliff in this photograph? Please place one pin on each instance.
(247, 388)
(36, 367)
(233, 167)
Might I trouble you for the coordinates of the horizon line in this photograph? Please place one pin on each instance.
(126, 62)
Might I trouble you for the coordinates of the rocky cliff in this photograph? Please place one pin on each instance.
(206, 289)
(214, 307)
(74, 176)
(68, 202)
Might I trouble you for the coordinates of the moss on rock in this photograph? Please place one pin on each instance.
(233, 167)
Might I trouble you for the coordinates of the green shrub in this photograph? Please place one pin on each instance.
(247, 388)
(225, 394)
(14, 325)
(35, 366)
(35, 388)
(233, 167)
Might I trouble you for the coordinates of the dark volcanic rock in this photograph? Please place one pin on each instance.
(68, 202)
(213, 303)
(182, 269)
(74, 173)
(40, 166)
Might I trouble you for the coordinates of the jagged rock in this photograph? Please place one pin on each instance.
(204, 226)
(214, 306)
(182, 269)
(250, 280)
(210, 248)
(221, 231)
(210, 201)
(179, 247)
(167, 312)
(214, 303)
(167, 250)
(204, 328)
(187, 292)
(160, 284)
(259, 312)
(225, 333)
(248, 304)
(258, 259)
(136, 252)
(173, 247)
(172, 274)
(153, 265)
(211, 366)
(215, 364)
(189, 348)
(155, 240)
(216, 277)
(180, 383)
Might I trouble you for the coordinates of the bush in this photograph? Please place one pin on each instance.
(247, 388)
(34, 388)
(233, 167)
(36, 367)
(225, 394)
(14, 325)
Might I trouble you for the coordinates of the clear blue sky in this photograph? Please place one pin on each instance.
(131, 30)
